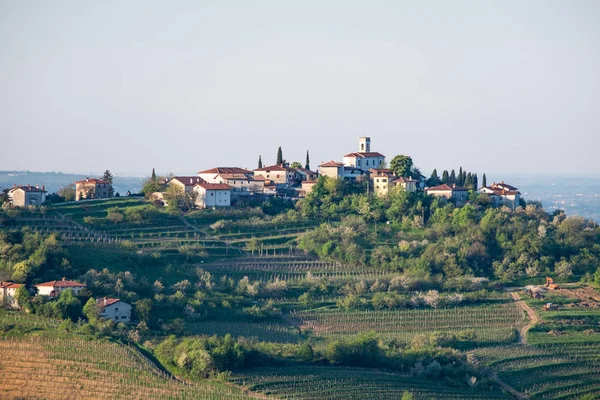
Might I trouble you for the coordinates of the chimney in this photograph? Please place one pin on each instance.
(28, 185)
(87, 179)
(37, 186)
(191, 180)
(105, 301)
(63, 279)
(14, 185)
(43, 187)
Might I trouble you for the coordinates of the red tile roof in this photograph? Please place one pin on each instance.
(364, 154)
(404, 179)
(306, 171)
(61, 283)
(331, 164)
(106, 301)
(273, 168)
(92, 180)
(445, 187)
(226, 170)
(214, 186)
(10, 285)
(188, 180)
(502, 185)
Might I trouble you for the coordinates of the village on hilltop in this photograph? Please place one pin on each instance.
(223, 186)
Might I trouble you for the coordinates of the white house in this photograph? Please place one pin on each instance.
(364, 159)
(185, 183)
(458, 193)
(279, 175)
(502, 194)
(335, 170)
(114, 309)
(8, 292)
(55, 288)
(21, 196)
(212, 195)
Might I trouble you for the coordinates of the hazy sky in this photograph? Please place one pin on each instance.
(187, 85)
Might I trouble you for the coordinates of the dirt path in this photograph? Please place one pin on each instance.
(530, 313)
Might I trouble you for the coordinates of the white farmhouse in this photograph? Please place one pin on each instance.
(502, 194)
(114, 309)
(212, 195)
(21, 196)
(8, 292)
(55, 288)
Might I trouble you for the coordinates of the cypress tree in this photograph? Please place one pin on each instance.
(279, 156)
(260, 162)
(469, 181)
(460, 181)
(445, 177)
(452, 177)
(475, 181)
(434, 179)
(307, 165)
(153, 177)
(484, 181)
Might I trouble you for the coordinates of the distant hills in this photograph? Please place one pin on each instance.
(56, 180)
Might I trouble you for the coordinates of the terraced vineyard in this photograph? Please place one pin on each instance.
(335, 383)
(58, 368)
(268, 332)
(493, 324)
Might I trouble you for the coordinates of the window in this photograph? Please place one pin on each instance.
(212, 194)
(123, 317)
(116, 309)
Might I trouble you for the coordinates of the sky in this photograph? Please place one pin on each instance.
(181, 86)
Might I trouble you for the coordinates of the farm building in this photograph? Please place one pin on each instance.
(8, 291)
(212, 195)
(185, 183)
(502, 194)
(21, 196)
(91, 188)
(55, 288)
(114, 309)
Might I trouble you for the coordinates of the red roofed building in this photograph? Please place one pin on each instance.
(114, 309)
(242, 181)
(212, 195)
(278, 174)
(91, 188)
(364, 159)
(185, 183)
(8, 292)
(502, 194)
(55, 288)
(458, 193)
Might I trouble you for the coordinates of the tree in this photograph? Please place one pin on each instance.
(460, 180)
(260, 164)
(401, 165)
(108, 177)
(279, 156)
(91, 310)
(296, 164)
(445, 177)
(153, 176)
(475, 181)
(434, 179)
(452, 178)
(67, 192)
(307, 165)
(484, 181)
(407, 395)
(143, 309)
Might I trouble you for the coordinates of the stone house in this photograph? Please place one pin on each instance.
(114, 309)
(91, 188)
(458, 193)
(502, 194)
(185, 183)
(278, 174)
(21, 196)
(8, 292)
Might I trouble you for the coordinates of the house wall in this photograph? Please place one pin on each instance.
(440, 193)
(278, 177)
(18, 198)
(7, 297)
(47, 290)
(381, 185)
(363, 163)
(99, 191)
(118, 312)
(332, 172)
(212, 198)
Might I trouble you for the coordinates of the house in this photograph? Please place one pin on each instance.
(383, 180)
(364, 159)
(8, 293)
(21, 196)
(502, 194)
(212, 195)
(91, 188)
(307, 187)
(242, 181)
(114, 309)
(278, 174)
(335, 170)
(306, 174)
(55, 288)
(185, 183)
(458, 193)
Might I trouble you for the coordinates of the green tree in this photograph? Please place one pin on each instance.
(460, 181)
(401, 165)
(484, 181)
(307, 164)
(260, 164)
(143, 309)
(91, 311)
(279, 156)
(23, 298)
(474, 177)
(68, 305)
(445, 177)
(407, 395)
(452, 178)
(434, 179)
(108, 177)
(153, 176)
(296, 164)
(306, 352)
(67, 192)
